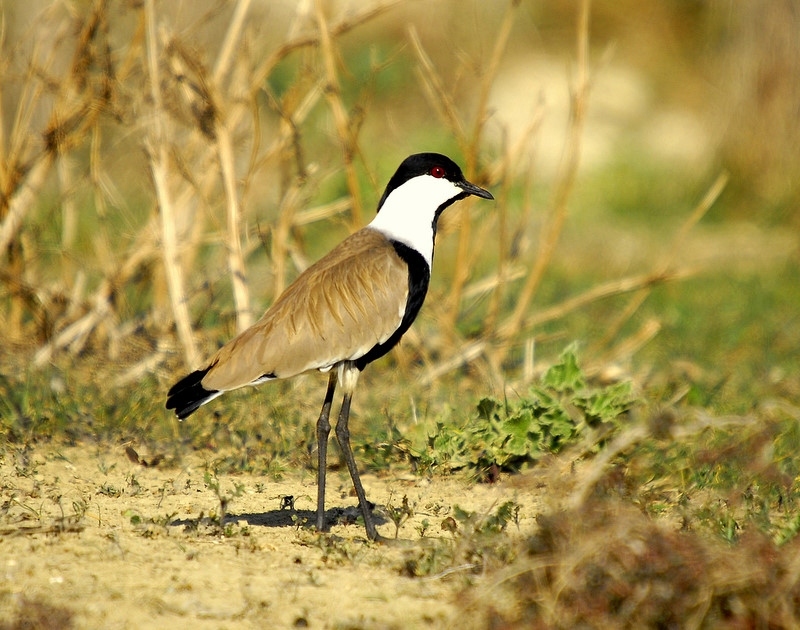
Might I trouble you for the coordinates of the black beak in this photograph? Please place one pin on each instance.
(472, 189)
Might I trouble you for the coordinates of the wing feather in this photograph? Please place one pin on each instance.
(338, 309)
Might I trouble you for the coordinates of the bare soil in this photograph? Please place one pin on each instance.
(91, 539)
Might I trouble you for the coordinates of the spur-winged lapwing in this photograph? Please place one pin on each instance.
(345, 311)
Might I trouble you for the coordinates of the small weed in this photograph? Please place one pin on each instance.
(231, 529)
(104, 468)
(475, 541)
(423, 527)
(437, 509)
(399, 515)
(110, 491)
(299, 522)
(150, 527)
(134, 487)
(79, 508)
(24, 465)
(335, 550)
(212, 483)
(166, 488)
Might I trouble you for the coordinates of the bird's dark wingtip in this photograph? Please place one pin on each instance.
(188, 394)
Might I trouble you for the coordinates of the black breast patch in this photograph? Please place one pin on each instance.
(419, 275)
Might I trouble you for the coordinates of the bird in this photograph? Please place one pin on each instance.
(344, 311)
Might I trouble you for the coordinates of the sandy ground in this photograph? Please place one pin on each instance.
(91, 539)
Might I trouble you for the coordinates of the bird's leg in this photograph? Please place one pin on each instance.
(343, 435)
(323, 429)
(348, 375)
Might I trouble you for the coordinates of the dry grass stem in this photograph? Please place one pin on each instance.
(230, 41)
(467, 252)
(348, 23)
(487, 80)
(224, 145)
(565, 181)
(626, 348)
(705, 204)
(437, 94)
(507, 251)
(464, 356)
(241, 294)
(99, 307)
(22, 200)
(600, 292)
(232, 129)
(483, 347)
(74, 335)
(142, 368)
(158, 165)
(493, 282)
(445, 105)
(347, 138)
(322, 212)
(281, 234)
(636, 300)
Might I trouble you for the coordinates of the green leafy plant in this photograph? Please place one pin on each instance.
(225, 498)
(507, 436)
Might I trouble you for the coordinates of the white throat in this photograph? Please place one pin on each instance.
(407, 213)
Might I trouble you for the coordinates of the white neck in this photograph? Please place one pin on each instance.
(407, 213)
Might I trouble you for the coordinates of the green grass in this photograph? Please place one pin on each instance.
(739, 330)
(510, 435)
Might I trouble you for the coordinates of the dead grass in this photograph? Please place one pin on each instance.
(200, 129)
(606, 565)
(599, 558)
(32, 614)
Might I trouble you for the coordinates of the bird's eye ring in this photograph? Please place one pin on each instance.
(437, 172)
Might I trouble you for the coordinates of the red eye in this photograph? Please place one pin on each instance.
(437, 172)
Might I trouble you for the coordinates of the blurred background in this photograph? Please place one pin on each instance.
(167, 168)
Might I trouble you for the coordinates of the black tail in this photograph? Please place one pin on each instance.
(186, 396)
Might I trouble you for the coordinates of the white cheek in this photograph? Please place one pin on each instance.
(407, 214)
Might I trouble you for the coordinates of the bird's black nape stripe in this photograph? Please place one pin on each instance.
(419, 275)
(188, 394)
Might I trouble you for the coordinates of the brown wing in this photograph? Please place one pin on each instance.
(336, 310)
